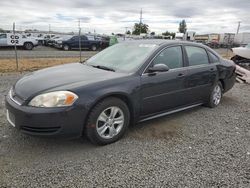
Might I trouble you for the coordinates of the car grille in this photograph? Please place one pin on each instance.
(40, 129)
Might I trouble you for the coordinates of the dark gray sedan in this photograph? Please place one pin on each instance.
(124, 84)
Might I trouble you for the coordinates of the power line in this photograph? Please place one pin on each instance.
(14, 32)
(80, 48)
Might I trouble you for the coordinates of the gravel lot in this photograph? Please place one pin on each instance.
(201, 147)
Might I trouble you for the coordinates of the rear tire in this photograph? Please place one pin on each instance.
(66, 47)
(215, 95)
(107, 121)
(93, 48)
(28, 46)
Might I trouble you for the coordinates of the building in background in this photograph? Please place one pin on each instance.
(242, 39)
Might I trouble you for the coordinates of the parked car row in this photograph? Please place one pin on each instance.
(69, 42)
(64, 42)
(84, 42)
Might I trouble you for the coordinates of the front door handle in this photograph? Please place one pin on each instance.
(181, 74)
(212, 69)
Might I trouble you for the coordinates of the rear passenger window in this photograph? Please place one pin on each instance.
(75, 38)
(172, 57)
(84, 38)
(213, 58)
(196, 55)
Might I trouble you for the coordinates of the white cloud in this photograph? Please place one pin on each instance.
(114, 15)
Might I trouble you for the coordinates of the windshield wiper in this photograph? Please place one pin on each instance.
(103, 67)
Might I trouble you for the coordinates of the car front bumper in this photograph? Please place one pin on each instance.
(56, 45)
(67, 122)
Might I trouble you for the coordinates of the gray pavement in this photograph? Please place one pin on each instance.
(42, 52)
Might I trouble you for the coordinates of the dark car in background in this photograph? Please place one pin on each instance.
(86, 42)
(104, 41)
(127, 83)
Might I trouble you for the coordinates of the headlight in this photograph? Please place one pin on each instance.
(54, 99)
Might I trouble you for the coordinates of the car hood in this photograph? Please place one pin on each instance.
(61, 76)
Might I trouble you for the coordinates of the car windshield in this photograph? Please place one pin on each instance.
(123, 57)
(248, 45)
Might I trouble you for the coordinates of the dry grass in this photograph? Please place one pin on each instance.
(9, 65)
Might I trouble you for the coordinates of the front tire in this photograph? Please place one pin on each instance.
(93, 47)
(28, 46)
(107, 121)
(66, 47)
(215, 95)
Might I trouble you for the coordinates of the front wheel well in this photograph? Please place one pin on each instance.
(222, 83)
(28, 47)
(28, 42)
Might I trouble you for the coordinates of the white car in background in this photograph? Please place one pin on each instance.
(241, 55)
(9, 39)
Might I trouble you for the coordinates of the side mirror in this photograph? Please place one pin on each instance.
(158, 68)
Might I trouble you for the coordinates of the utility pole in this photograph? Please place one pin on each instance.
(80, 48)
(49, 29)
(140, 21)
(238, 29)
(126, 29)
(14, 32)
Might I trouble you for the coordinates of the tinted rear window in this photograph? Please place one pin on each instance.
(196, 55)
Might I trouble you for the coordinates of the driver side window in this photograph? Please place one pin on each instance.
(172, 57)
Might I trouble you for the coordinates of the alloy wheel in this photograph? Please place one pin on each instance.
(110, 122)
(216, 95)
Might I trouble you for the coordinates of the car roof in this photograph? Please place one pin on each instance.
(164, 42)
(161, 42)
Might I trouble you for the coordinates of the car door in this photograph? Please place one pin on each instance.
(163, 91)
(84, 42)
(201, 74)
(3, 40)
(74, 42)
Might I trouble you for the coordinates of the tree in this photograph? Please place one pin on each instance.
(140, 28)
(128, 32)
(183, 26)
(152, 33)
(167, 33)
